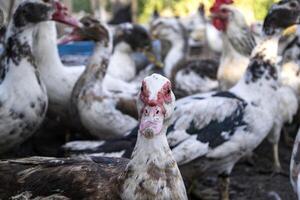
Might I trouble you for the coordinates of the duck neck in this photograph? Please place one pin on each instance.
(122, 49)
(178, 51)
(45, 48)
(98, 63)
(263, 69)
(153, 171)
(18, 58)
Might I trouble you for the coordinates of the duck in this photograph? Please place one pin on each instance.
(189, 76)
(128, 38)
(24, 97)
(53, 72)
(121, 74)
(209, 133)
(290, 64)
(238, 43)
(150, 173)
(99, 109)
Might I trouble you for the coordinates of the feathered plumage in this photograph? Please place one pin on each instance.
(151, 173)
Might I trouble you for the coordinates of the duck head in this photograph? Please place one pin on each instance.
(155, 105)
(169, 29)
(282, 15)
(92, 30)
(34, 11)
(136, 36)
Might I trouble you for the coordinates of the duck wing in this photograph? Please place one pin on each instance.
(92, 178)
(204, 124)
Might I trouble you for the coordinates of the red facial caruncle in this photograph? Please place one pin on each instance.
(153, 112)
(219, 23)
(163, 96)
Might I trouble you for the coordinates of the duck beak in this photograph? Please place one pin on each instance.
(151, 121)
(290, 30)
(62, 15)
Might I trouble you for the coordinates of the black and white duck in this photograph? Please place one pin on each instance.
(128, 38)
(23, 95)
(189, 76)
(209, 133)
(151, 173)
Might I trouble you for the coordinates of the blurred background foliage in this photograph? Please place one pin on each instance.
(252, 9)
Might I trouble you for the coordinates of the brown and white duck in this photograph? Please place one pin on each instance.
(23, 95)
(101, 111)
(151, 173)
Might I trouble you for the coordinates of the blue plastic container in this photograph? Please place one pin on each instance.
(76, 48)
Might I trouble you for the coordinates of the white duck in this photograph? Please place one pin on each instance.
(23, 95)
(128, 38)
(189, 76)
(151, 173)
(59, 79)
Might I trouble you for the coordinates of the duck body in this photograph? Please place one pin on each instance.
(94, 102)
(96, 107)
(23, 95)
(190, 76)
(122, 65)
(43, 177)
(290, 65)
(59, 79)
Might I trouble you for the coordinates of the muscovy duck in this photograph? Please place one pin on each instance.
(151, 173)
(23, 95)
(209, 133)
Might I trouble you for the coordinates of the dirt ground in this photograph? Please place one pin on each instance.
(255, 181)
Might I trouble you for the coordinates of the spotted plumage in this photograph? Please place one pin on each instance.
(21, 84)
(151, 173)
(209, 133)
(91, 99)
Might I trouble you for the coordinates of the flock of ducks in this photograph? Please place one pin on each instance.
(150, 146)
